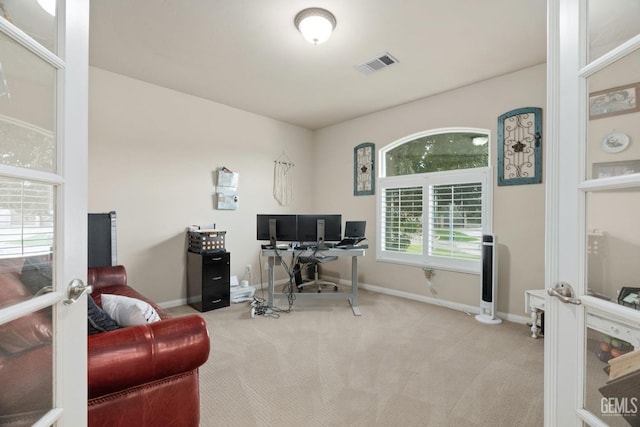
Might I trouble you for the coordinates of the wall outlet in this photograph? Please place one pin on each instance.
(248, 268)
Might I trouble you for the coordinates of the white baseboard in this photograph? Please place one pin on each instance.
(393, 292)
(436, 301)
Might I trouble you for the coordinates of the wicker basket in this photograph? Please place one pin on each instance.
(206, 241)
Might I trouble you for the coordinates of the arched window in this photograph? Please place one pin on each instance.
(435, 199)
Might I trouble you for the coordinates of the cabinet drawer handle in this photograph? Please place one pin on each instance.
(216, 301)
(216, 259)
(216, 278)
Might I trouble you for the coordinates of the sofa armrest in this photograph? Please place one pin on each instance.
(136, 355)
(100, 277)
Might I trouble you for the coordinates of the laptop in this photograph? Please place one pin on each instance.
(353, 233)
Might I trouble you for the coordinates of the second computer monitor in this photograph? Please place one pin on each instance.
(312, 227)
(277, 228)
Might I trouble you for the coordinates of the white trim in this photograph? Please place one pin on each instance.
(551, 211)
(31, 175)
(26, 125)
(469, 309)
(16, 311)
(28, 42)
(611, 183)
(610, 57)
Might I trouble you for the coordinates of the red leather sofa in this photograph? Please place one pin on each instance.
(144, 375)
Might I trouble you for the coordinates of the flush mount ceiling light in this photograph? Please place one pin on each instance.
(315, 24)
(49, 6)
(479, 140)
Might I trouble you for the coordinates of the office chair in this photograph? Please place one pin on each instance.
(313, 261)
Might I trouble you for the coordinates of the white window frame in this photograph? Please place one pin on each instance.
(483, 175)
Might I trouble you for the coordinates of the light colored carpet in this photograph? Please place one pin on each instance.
(402, 363)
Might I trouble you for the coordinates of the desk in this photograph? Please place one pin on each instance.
(352, 296)
(534, 304)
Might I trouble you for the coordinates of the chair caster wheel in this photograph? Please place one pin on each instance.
(319, 291)
(335, 289)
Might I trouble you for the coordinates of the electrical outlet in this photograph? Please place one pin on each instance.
(248, 268)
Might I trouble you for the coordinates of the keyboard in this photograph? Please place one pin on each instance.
(349, 241)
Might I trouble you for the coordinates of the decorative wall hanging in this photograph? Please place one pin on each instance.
(614, 101)
(615, 142)
(227, 189)
(283, 180)
(520, 146)
(363, 175)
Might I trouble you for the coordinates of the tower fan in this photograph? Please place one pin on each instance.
(488, 281)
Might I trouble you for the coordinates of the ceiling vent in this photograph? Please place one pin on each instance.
(377, 63)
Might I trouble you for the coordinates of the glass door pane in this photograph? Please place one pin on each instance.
(607, 377)
(613, 145)
(611, 23)
(613, 241)
(37, 18)
(27, 103)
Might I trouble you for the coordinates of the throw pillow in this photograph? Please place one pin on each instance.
(98, 320)
(127, 311)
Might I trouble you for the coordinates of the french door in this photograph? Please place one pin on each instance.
(593, 213)
(43, 214)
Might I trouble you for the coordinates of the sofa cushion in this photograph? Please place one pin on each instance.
(127, 311)
(26, 332)
(98, 319)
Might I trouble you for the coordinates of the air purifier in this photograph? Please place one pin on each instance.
(489, 281)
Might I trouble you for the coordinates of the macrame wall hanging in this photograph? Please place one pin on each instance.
(283, 180)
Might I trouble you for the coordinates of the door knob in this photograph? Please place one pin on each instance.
(564, 291)
(75, 290)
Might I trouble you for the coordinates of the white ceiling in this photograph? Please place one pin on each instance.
(248, 54)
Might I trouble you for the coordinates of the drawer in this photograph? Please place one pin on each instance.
(614, 329)
(213, 275)
(212, 299)
(221, 258)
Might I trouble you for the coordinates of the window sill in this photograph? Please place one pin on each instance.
(432, 265)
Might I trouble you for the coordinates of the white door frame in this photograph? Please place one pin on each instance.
(565, 330)
(70, 180)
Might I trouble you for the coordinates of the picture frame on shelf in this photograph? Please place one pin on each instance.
(614, 101)
(611, 169)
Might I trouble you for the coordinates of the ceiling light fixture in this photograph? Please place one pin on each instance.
(479, 140)
(49, 6)
(315, 24)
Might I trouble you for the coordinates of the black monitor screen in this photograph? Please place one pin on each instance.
(354, 228)
(286, 227)
(308, 228)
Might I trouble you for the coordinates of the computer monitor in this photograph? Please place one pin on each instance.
(283, 228)
(319, 228)
(354, 228)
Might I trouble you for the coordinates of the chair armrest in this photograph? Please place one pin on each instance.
(100, 277)
(136, 355)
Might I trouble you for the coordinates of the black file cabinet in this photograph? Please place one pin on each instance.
(208, 280)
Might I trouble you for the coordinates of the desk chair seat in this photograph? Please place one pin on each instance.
(314, 261)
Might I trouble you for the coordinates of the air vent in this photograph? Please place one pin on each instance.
(377, 63)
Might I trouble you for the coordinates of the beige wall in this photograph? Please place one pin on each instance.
(153, 153)
(518, 210)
